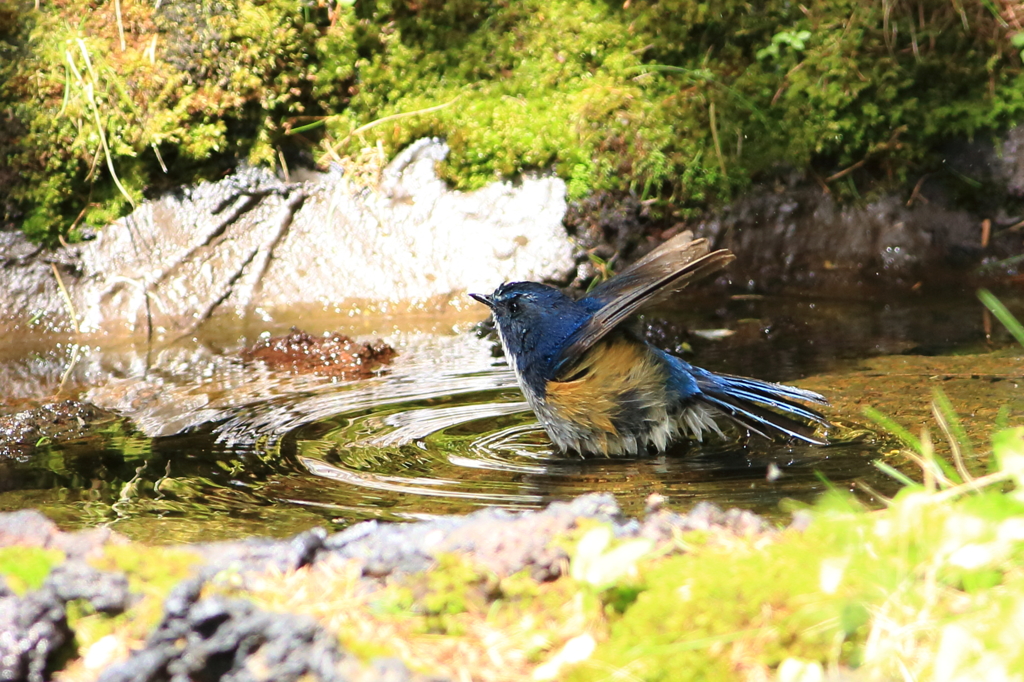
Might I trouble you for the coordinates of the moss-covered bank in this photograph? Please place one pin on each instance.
(680, 102)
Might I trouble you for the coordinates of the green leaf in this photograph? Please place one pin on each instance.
(588, 551)
(894, 473)
(1000, 311)
(618, 563)
(909, 439)
(1008, 449)
(600, 569)
(854, 616)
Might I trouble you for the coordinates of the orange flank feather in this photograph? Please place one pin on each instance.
(588, 398)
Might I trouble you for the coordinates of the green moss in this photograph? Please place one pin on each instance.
(194, 84)
(152, 573)
(89, 626)
(150, 570)
(453, 587)
(25, 568)
(925, 570)
(613, 97)
(364, 650)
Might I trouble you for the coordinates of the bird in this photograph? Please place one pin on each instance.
(598, 388)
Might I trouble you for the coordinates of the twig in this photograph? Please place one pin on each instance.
(824, 187)
(874, 493)
(847, 171)
(916, 194)
(284, 165)
(392, 117)
(718, 147)
(160, 158)
(67, 91)
(151, 51)
(963, 15)
(974, 485)
(95, 160)
(67, 299)
(71, 365)
(91, 97)
(913, 42)
(329, 149)
(927, 462)
(954, 444)
(1011, 228)
(120, 24)
(893, 142)
(81, 214)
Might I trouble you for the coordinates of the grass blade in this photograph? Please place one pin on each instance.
(1002, 314)
(909, 439)
(898, 475)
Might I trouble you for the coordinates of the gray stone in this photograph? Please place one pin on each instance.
(251, 242)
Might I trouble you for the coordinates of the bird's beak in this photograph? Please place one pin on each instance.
(486, 300)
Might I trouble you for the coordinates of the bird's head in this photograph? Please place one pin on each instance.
(533, 321)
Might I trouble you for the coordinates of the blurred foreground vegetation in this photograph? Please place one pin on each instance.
(679, 102)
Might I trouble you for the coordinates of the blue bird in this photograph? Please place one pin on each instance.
(598, 388)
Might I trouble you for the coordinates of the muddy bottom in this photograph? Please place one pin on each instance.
(210, 444)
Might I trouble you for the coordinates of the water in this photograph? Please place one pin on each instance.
(219, 448)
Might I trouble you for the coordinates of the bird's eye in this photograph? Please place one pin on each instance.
(513, 306)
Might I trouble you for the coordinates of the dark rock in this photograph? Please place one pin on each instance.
(59, 421)
(388, 670)
(781, 241)
(106, 592)
(790, 233)
(27, 527)
(663, 525)
(608, 226)
(383, 549)
(233, 640)
(32, 629)
(503, 542)
(261, 554)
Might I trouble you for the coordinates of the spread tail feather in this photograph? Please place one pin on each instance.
(763, 407)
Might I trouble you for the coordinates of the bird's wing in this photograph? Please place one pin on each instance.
(653, 278)
(669, 257)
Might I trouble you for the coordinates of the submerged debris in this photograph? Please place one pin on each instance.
(333, 355)
(22, 432)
